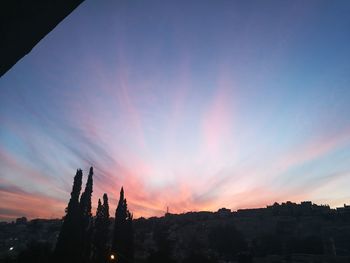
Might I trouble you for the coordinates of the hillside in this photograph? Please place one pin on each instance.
(287, 232)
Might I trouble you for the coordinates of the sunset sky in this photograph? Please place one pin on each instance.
(195, 105)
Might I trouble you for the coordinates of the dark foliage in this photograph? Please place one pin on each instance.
(69, 243)
(83, 240)
(164, 246)
(227, 240)
(268, 244)
(86, 216)
(306, 245)
(101, 229)
(85, 199)
(122, 245)
(160, 256)
(195, 257)
(36, 252)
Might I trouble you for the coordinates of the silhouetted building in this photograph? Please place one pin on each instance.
(344, 210)
(21, 220)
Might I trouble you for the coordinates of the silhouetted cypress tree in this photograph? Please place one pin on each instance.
(85, 199)
(122, 245)
(68, 247)
(101, 231)
(85, 207)
(129, 238)
(97, 244)
(106, 206)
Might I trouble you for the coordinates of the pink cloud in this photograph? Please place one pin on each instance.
(216, 123)
(22, 203)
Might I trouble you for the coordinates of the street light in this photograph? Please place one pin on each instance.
(112, 257)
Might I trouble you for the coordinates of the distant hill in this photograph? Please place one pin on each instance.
(286, 232)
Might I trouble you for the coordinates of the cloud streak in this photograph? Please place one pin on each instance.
(233, 110)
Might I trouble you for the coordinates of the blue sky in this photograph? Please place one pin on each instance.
(194, 105)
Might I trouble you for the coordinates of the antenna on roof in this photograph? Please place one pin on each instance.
(167, 211)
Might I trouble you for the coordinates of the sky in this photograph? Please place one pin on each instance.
(191, 105)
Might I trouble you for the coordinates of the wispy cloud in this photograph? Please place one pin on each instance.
(234, 110)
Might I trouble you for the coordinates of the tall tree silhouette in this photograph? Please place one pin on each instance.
(122, 245)
(85, 199)
(106, 206)
(85, 207)
(101, 237)
(68, 247)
